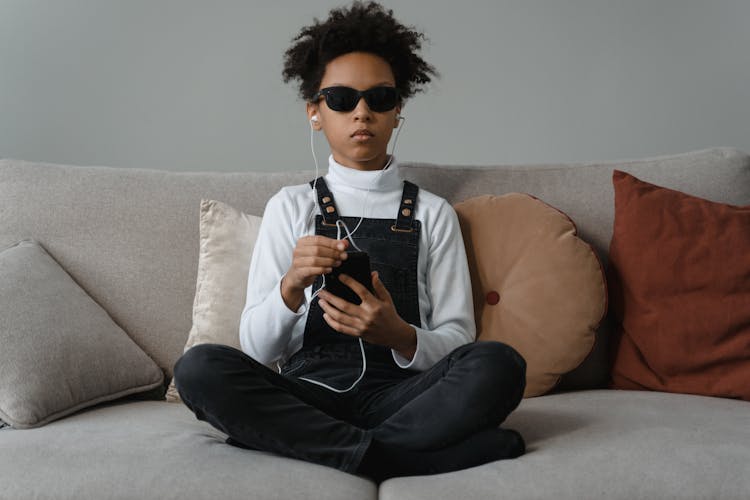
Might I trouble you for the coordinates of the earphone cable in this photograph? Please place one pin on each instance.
(338, 237)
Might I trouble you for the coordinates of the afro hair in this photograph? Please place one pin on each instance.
(364, 27)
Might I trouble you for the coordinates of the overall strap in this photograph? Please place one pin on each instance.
(325, 202)
(406, 209)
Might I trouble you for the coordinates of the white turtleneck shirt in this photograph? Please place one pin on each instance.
(271, 332)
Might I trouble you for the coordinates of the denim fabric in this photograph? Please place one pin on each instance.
(392, 254)
(474, 387)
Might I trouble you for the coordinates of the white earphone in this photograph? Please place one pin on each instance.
(315, 119)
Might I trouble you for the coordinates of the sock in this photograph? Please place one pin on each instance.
(382, 461)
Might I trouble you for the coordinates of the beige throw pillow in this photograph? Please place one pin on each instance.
(537, 286)
(227, 240)
(60, 351)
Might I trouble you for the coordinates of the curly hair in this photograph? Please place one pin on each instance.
(365, 27)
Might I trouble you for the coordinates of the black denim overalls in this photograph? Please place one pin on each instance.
(473, 387)
(393, 247)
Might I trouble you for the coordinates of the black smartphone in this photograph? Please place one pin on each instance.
(356, 265)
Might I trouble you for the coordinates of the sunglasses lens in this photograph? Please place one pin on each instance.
(379, 99)
(341, 98)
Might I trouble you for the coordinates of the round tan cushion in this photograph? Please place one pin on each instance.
(537, 286)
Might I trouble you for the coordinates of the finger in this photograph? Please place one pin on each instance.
(319, 251)
(381, 291)
(357, 287)
(339, 303)
(317, 262)
(342, 319)
(314, 271)
(341, 328)
(324, 241)
(317, 240)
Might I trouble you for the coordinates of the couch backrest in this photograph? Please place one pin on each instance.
(129, 236)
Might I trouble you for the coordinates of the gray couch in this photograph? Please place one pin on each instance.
(129, 237)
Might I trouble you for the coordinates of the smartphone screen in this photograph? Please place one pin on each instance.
(356, 265)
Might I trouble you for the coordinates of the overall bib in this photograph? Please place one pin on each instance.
(393, 249)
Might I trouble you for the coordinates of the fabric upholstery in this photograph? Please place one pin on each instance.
(537, 286)
(134, 251)
(135, 245)
(627, 445)
(59, 350)
(681, 291)
(155, 450)
(618, 445)
(227, 239)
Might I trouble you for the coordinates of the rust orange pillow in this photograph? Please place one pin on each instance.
(680, 291)
(537, 286)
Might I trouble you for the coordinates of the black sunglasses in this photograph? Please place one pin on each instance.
(378, 99)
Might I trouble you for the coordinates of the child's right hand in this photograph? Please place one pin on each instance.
(313, 255)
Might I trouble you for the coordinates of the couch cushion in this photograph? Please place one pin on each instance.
(680, 279)
(134, 246)
(627, 445)
(537, 286)
(584, 192)
(155, 450)
(227, 240)
(59, 350)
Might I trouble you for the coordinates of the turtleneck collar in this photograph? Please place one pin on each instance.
(374, 180)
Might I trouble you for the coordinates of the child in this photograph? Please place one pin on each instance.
(391, 383)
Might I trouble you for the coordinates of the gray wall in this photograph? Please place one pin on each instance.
(196, 85)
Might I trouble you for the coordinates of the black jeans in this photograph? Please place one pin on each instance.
(474, 387)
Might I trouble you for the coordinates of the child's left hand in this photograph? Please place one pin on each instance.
(375, 319)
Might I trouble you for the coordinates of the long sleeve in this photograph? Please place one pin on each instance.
(266, 324)
(448, 300)
(270, 331)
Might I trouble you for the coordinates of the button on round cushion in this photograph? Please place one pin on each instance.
(537, 286)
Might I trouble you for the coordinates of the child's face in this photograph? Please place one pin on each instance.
(361, 71)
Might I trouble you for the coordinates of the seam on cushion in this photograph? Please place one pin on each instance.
(91, 403)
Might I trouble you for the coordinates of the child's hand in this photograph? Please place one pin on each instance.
(313, 255)
(375, 319)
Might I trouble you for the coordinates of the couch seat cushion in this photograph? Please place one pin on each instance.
(609, 444)
(155, 450)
